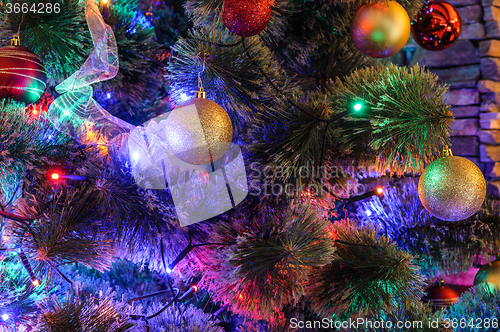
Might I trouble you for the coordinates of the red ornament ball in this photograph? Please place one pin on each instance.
(22, 75)
(440, 295)
(380, 30)
(246, 18)
(437, 26)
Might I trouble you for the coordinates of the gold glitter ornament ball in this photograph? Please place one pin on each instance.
(452, 188)
(199, 131)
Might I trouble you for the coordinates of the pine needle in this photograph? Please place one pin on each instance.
(79, 313)
(269, 265)
(368, 274)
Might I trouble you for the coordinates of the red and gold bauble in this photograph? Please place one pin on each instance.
(246, 18)
(22, 75)
(437, 26)
(380, 30)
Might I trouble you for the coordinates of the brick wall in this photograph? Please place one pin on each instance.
(471, 67)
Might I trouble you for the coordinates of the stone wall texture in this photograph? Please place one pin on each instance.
(471, 67)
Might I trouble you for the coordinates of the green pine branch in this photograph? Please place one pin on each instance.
(268, 266)
(77, 313)
(443, 247)
(476, 309)
(404, 120)
(28, 143)
(19, 298)
(60, 39)
(69, 230)
(419, 317)
(368, 275)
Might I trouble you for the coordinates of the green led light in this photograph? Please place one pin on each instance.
(357, 107)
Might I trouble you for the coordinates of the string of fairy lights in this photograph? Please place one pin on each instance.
(60, 178)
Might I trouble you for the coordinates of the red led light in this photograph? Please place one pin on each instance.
(36, 282)
(55, 176)
(195, 288)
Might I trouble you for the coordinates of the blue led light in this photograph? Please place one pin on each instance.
(184, 97)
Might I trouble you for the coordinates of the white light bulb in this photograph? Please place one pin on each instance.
(5, 317)
(184, 97)
(136, 156)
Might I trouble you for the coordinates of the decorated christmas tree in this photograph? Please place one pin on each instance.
(236, 165)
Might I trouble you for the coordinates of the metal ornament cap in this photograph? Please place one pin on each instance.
(15, 41)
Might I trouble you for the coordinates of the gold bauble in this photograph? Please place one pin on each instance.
(199, 131)
(452, 188)
(490, 274)
(380, 30)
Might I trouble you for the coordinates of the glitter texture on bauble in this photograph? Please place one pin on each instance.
(246, 18)
(452, 188)
(199, 131)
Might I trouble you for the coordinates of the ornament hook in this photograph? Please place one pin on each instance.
(15, 41)
(201, 91)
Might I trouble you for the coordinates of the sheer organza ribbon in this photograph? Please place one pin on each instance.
(75, 108)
